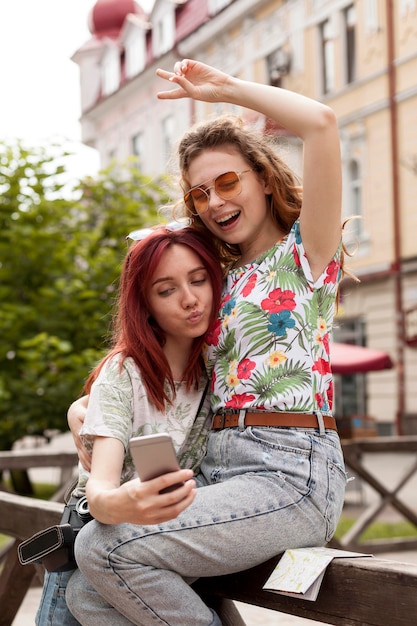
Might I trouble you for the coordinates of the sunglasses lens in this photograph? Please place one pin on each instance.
(196, 200)
(227, 185)
(200, 199)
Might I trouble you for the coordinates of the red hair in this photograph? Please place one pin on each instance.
(135, 332)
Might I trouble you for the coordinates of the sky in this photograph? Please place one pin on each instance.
(39, 84)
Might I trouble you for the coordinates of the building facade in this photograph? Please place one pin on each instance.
(360, 58)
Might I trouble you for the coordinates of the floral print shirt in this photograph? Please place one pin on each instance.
(270, 347)
(118, 407)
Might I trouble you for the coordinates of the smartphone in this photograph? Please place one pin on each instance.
(154, 455)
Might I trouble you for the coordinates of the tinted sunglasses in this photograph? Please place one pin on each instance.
(142, 233)
(226, 186)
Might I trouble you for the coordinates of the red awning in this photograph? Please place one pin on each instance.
(349, 359)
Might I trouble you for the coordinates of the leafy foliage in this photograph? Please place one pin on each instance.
(61, 248)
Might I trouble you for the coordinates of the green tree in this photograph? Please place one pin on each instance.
(61, 248)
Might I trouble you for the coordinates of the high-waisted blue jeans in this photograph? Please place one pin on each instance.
(261, 491)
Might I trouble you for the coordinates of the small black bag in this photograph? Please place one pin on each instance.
(54, 546)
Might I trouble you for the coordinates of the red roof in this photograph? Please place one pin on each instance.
(190, 17)
(107, 16)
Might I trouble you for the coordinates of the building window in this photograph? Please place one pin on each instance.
(111, 71)
(167, 137)
(111, 156)
(327, 56)
(371, 16)
(350, 43)
(278, 64)
(135, 54)
(354, 200)
(163, 31)
(350, 390)
(138, 147)
(407, 6)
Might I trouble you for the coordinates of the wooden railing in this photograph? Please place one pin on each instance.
(356, 455)
(354, 591)
(41, 458)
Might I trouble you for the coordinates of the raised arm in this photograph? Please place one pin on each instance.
(308, 119)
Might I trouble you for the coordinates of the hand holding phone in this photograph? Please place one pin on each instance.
(153, 456)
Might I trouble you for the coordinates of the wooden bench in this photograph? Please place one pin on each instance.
(359, 591)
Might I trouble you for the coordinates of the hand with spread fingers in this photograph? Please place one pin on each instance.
(195, 80)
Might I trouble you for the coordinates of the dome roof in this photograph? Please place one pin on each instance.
(107, 16)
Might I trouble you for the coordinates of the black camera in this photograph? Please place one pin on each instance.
(54, 546)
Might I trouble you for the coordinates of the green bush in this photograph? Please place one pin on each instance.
(61, 248)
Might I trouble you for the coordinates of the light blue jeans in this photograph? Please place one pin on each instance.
(261, 491)
(53, 610)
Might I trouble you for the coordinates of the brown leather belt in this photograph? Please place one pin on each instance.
(283, 420)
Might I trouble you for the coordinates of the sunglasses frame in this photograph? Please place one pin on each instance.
(188, 197)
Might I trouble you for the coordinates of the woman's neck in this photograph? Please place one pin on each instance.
(251, 250)
(178, 357)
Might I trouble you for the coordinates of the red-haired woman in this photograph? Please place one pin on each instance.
(152, 380)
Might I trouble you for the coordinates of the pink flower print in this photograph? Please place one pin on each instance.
(239, 400)
(326, 343)
(319, 400)
(226, 298)
(322, 366)
(332, 272)
(296, 256)
(244, 369)
(212, 335)
(330, 394)
(279, 300)
(248, 288)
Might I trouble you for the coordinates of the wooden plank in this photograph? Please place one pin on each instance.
(40, 457)
(377, 546)
(354, 592)
(382, 444)
(22, 517)
(14, 582)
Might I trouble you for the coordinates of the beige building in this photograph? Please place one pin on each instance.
(360, 57)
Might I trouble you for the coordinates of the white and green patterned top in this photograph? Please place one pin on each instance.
(119, 407)
(270, 347)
